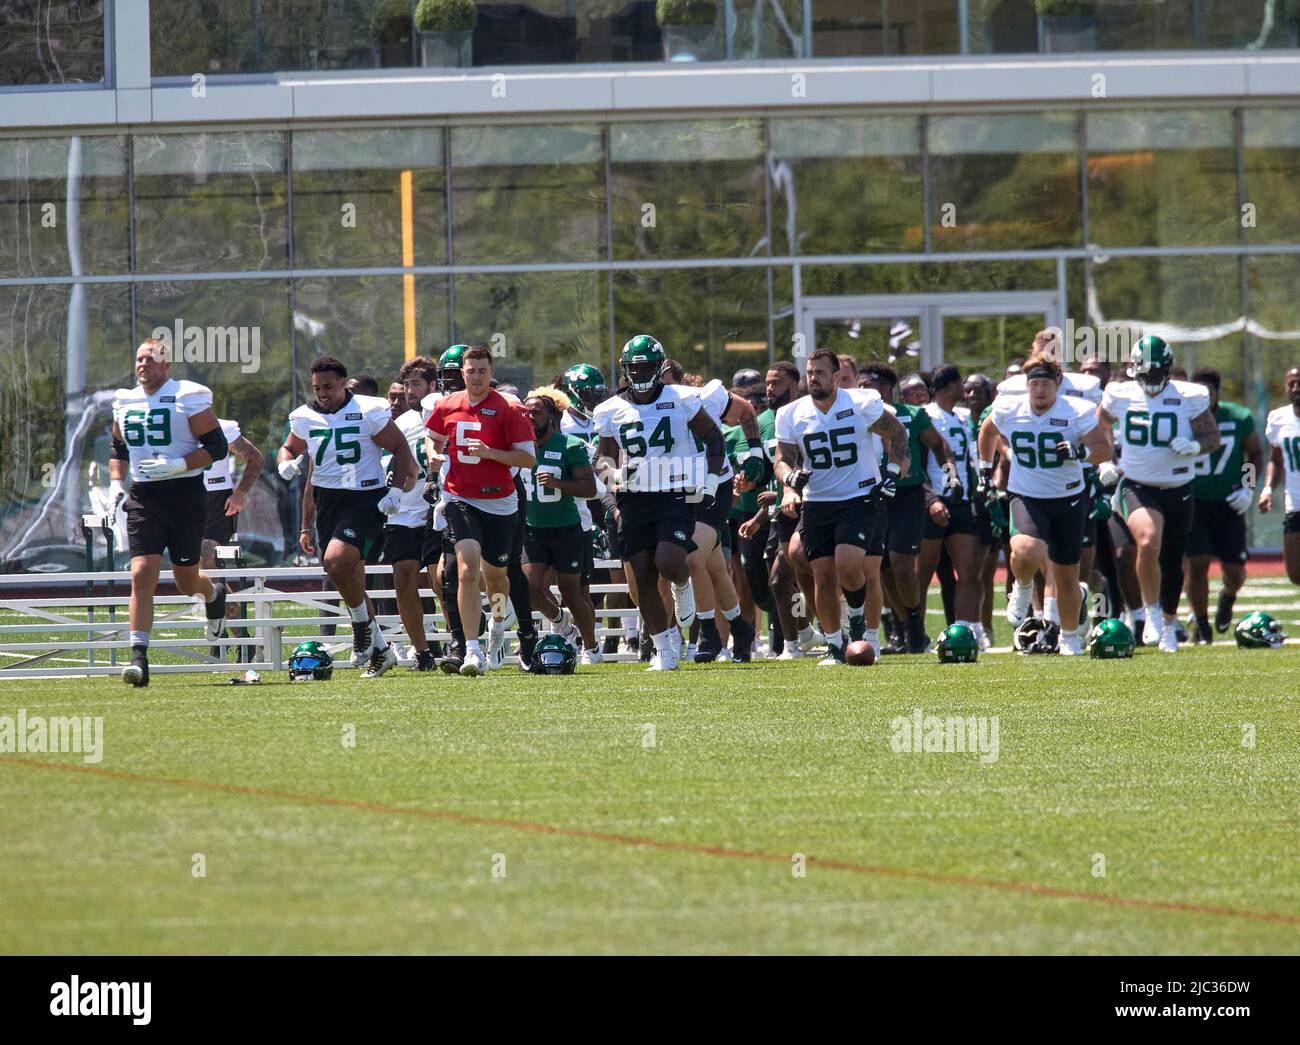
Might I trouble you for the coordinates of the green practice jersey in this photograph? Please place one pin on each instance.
(548, 508)
(1219, 473)
(915, 420)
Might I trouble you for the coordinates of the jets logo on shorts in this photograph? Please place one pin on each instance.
(574, 565)
(349, 533)
(501, 558)
(862, 536)
(679, 535)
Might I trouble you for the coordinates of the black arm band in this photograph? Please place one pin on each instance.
(118, 451)
(214, 442)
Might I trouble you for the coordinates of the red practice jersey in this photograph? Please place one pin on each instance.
(498, 423)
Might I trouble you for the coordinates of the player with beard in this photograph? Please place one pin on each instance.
(1282, 432)
(648, 456)
(826, 459)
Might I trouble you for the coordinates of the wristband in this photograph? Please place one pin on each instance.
(986, 466)
(893, 469)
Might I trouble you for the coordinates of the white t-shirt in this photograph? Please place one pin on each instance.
(1036, 470)
(716, 400)
(216, 476)
(1146, 425)
(344, 453)
(158, 425)
(837, 445)
(656, 439)
(413, 509)
(955, 429)
(1282, 429)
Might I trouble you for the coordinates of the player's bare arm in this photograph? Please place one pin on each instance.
(512, 458)
(788, 465)
(1253, 449)
(1205, 430)
(1098, 445)
(1106, 417)
(715, 448)
(934, 442)
(1272, 479)
(581, 485)
(894, 436)
(293, 448)
(308, 519)
(405, 469)
(253, 464)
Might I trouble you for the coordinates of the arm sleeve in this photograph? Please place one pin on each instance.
(1086, 420)
(1246, 426)
(519, 430)
(872, 410)
(998, 417)
(378, 417)
(691, 406)
(298, 425)
(575, 453)
(1108, 401)
(1273, 432)
(436, 422)
(784, 430)
(195, 399)
(922, 421)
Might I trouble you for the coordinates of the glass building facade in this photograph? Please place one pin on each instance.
(737, 235)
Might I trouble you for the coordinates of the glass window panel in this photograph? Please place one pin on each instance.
(1192, 296)
(928, 278)
(847, 185)
(234, 337)
(1162, 178)
(347, 196)
(523, 194)
(59, 346)
(537, 323)
(713, 321)
(878, 27)
(1004, 181)
(1271, 157)
(986, 344)
(211, 202)
(895, 340)
(361, 320)
(54, 41)
(63, 206)
(688, 189)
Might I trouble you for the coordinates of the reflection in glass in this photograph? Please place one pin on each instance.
(54, 41)
(533, 193)
(1271, 160)
(211, 202)
(347, 196)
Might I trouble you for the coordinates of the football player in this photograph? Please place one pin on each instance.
(652, 428)
(1161, 426)
(1282, 432)
(826, 460)
(484, 435)
(1046, 437)
(164, 435)
(346, 434)
(1223, 490)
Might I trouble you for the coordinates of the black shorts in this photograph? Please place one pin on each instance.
(983, 521)
(731, 535)
(779, 532)
(1056, 520)
(431, 543)
(496, 534)
(219, 526)
(651, 519)
(1089, 530)
(350, 516)
(566, 548)
(753, 550)
(961, 519)
(1120, 535)
(167, 515)
(907, 517)
(827, 524)
(1291, 524)
(403, 544)
(715, 515)
(1218, 531)
(1174, 503)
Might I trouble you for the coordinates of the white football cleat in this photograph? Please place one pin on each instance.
(472, 666)
(1018, 603)
(590, 656)
(792, 651)
(1152, 631)
(380, 662)
(665, 661)
(723, 657)
(808, 639)
(496, 657)
(1169, 638)
(1070, 644)
(684, 601)
(690, 651)
(1085, 596)
(675, 640)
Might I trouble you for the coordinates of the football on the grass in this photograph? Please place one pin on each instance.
(860, 654)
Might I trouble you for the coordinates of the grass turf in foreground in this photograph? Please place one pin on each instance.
(1141, 763)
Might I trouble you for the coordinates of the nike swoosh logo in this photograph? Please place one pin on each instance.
(1074, 504)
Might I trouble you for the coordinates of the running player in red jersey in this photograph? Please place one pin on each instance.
(483, 436)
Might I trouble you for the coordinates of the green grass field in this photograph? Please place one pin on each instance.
(520, 814)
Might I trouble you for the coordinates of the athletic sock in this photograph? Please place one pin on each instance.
(359, 614)
(1050, 610)
(140, 638)
(631, 625)
(872, 635)
(914, 612)
(377, 634)
(471, 646)
(662, 641)
(1155, 614)
(732, 613)
(210, 599)
(855, 599)
(837, 639)
(521, 598)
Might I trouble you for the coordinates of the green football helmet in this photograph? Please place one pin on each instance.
(553, 655)
(1110, 639)
(1259, 630)
(643, 360)
(450, 379)
(1150, 363)
(310, 662)
(958, 645)
(585, 387)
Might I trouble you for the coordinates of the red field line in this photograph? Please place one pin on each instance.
(1028, 888)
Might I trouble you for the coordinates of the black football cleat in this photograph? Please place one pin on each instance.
(424, 661)
(137, 672)
(710, 644)
(742, 640)
(1204, 636)
(215, 611)
(1223, 612)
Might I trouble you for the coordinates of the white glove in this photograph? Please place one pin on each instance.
(1108, 474)
(1186, 447)
(162, 467)
(390, 502)
(289, 469)
(1240, 500)
(116, 495)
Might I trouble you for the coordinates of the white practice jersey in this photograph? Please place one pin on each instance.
(1085, 386)
(837, 446)
(716, 400)
(1283, 430)
(1145, 426)
(342, 443)
(216, 476)
(413, 509)
(656, 439)
(955, 429)
(583, 428)
(158, 425)
(1036, 470)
